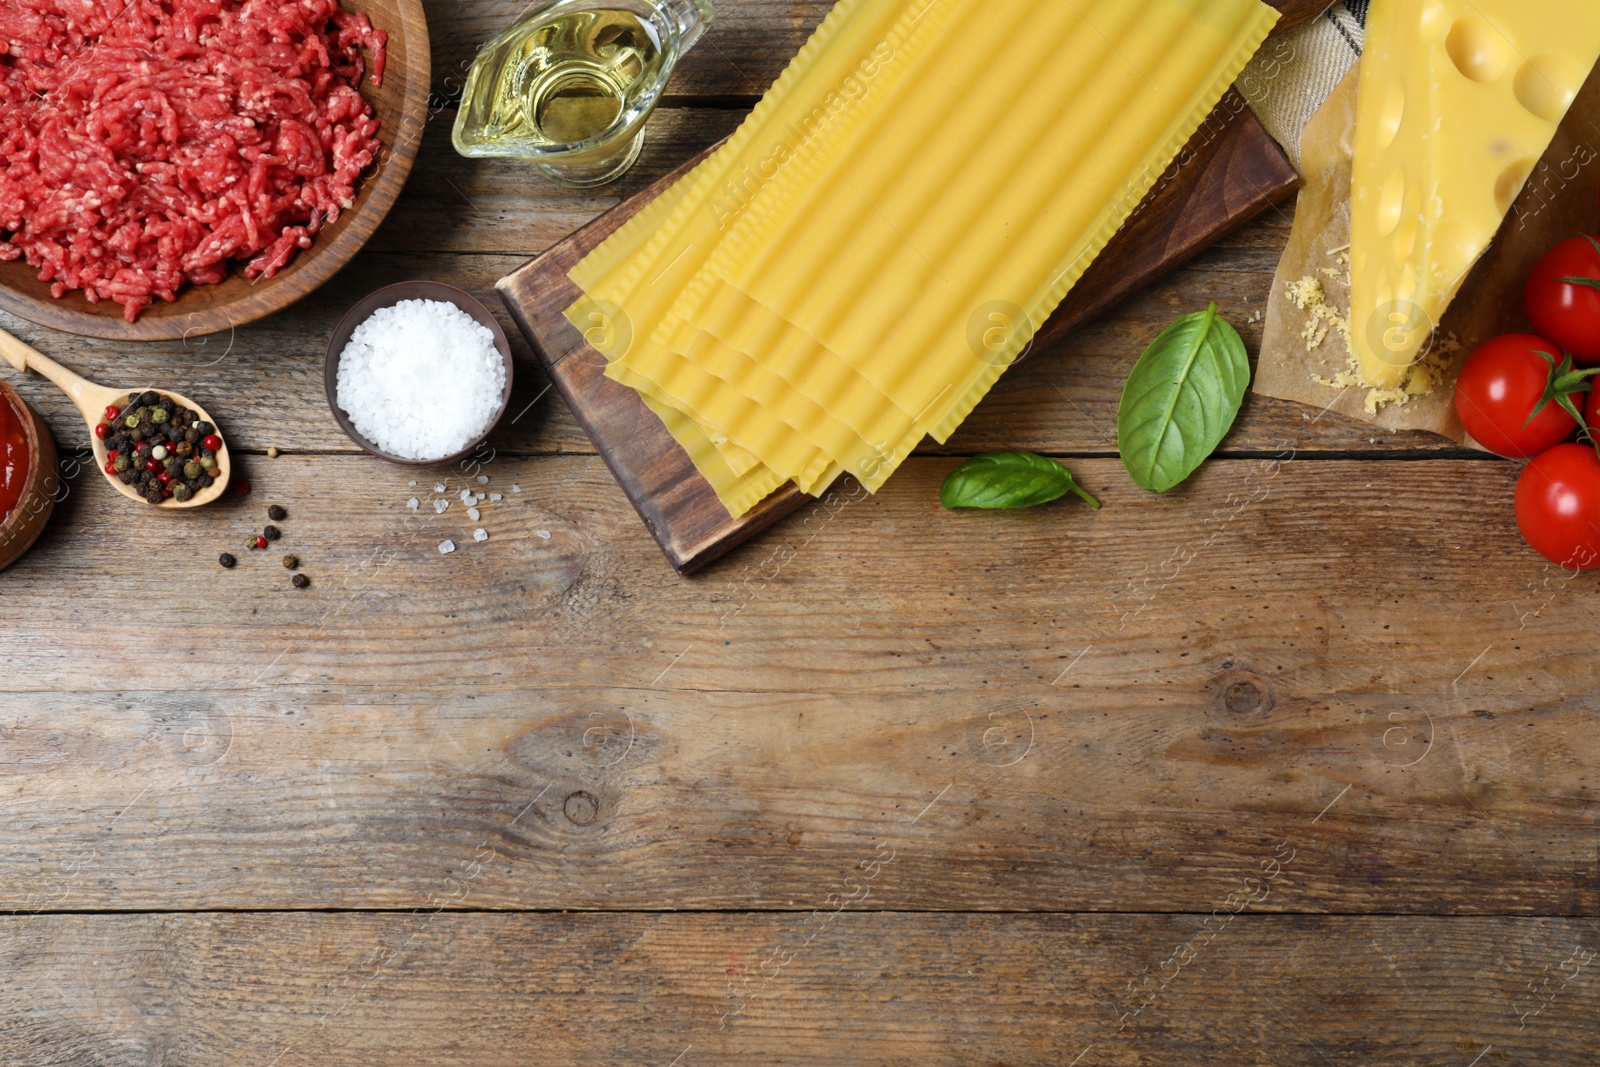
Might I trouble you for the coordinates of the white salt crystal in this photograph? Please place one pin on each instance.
(480, 535)
(413, 503)
(439, 506)
(446, 547)
(466, 496)
(412, 484)
(421, 379)
(474, 514)
(545, 534)
(516, 488)
(496, 496)
(438, 487)
(483, 479)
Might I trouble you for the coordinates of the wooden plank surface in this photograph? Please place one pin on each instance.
(1024, 991)
(1175, 682)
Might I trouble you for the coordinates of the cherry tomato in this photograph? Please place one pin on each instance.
(1567, 312)
(1558, 506)
(1499, 388)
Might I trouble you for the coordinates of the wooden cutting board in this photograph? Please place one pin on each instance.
(1234, 172)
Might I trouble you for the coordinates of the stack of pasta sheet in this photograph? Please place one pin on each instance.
(863, 259)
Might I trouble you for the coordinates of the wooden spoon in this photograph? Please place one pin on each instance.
(92, 401)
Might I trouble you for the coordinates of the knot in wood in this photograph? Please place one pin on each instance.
(581, 808)
(1246, 694)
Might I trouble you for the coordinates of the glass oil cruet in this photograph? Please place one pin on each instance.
(570, 84)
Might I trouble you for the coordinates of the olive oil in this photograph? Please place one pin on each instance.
(558, 83)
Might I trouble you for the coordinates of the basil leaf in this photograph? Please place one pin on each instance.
(1009, 480)
(1181, 399)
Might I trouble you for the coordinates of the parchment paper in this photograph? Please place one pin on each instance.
(1559, 201)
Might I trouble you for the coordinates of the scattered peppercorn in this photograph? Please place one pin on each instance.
(258, 542)
(240, 488)
(301, 581)
(272, 452)
(227, 560)
(291, 562)
(272, 533)
(277, 514)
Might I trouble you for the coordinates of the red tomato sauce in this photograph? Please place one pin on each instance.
(13, 458)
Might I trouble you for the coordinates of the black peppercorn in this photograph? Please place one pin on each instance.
(272, 533)
(277, 514)
(227, 560)
(301, 581)
(148, 398)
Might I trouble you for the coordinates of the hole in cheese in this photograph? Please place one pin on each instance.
(1393, 111)
(1391, 201)
(1405, 237)
(1477, 49)
(1547, 85)
(1510, 183)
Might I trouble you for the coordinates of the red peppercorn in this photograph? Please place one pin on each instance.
(113, 413)
(111, 467)
(240, 488)
(101, 430)
(113, 455)
(152, 465)
(261, 542)
(165, 477)
(212, 442)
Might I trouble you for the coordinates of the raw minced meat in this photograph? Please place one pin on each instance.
(149, 143)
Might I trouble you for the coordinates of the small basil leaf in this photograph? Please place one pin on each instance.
(1009, 480)
(1181, 399)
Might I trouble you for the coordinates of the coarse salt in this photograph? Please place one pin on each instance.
(446, 547)
(495, 496)
(545, 534)
(474, 514)
(421, 380)
(439, 506)
(413, 503)
(480, 535)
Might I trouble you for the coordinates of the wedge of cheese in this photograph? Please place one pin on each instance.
(1458, 100)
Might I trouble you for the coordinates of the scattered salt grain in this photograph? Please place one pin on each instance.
(496, 497)
(545, 534)
(446, 547)
(483, 479)
(421, 379)
(439, 506)
(516, 488)
(413, 503)
(466, 496)
(474, 514)
(438, 487)
(412, 484)
(480, 535)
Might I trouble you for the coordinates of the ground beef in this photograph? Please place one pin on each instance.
(149, 143)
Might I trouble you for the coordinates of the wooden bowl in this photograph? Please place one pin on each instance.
(401, 105)
(389, 296)
(20, 529)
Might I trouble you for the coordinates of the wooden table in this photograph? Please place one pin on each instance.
(1287, 767)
